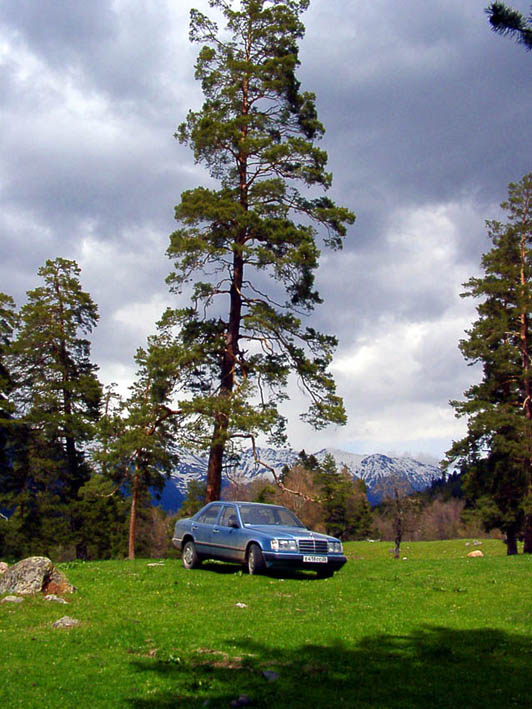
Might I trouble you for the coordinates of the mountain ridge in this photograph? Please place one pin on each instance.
(373, 469)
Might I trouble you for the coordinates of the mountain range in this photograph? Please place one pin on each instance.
(373, 469)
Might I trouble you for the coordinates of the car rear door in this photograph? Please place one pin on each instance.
(202, 529)
(227, 537)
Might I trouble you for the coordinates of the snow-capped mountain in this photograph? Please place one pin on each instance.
(373, 469)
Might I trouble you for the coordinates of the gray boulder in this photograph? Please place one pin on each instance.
(36, 574)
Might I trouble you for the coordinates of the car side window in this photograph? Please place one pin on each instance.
(210, 515)
(228, 518)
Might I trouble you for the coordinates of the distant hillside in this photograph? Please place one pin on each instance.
(370, 468)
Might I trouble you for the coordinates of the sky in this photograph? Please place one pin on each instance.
(427, 118)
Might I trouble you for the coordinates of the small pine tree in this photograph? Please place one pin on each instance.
(135, 445)
(344, 505)
(194, 500)
(102, 515)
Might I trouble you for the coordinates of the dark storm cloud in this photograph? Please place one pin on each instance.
(427, 120)
(420, 99)
(61, 30)
(114, 47)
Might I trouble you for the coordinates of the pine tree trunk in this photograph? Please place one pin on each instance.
(527, 383)
(133, 516)
(227, 379)
(70, 445)
(214, 469)
(511, 542)
(527, 548)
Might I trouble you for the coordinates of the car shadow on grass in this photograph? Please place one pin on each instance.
(432, 667)
(224, 568)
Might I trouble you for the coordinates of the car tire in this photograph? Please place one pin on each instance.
(190, 556)
(255, 560)
(325, 573)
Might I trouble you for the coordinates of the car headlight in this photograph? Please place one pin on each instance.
(283, 544)
(334, 547)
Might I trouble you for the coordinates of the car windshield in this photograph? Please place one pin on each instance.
(257, 514)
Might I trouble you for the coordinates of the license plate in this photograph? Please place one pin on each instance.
(315, 559)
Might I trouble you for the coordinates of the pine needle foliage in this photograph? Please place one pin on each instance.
(53, 396)
(135, 438)
(507, 21)
(497, 449)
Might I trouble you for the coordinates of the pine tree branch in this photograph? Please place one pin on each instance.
(276, 478)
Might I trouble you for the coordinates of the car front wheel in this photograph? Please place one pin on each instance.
(255, 560)
(190, 556)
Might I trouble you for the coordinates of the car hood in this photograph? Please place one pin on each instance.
(274, 530)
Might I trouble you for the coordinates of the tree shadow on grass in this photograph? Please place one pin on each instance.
(432, 667)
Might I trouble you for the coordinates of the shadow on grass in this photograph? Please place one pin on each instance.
(433, 667)
(224, 568)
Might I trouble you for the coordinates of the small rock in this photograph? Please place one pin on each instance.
(476, 543)
(477, 553)
(241, 605)
(66, 622)
(242, 701)
(3, 567)
(56, 599)
(158, 563)
(11, 599)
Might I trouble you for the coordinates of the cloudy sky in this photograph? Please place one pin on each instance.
(427, 114)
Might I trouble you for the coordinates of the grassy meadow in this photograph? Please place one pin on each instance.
(433, 629)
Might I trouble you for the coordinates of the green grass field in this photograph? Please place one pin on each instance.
(435, 629)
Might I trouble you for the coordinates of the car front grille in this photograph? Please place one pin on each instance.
(312, 546)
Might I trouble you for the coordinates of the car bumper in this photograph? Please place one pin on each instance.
(286, 560)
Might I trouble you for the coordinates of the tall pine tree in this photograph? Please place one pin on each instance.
(497, 451)
(247, 252)
(56, 394)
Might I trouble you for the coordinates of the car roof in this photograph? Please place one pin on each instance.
(244, 502)
(254, 504)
